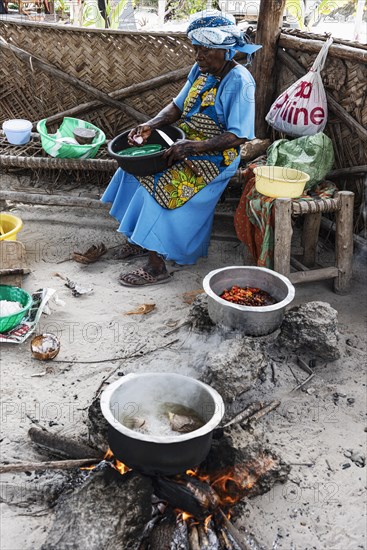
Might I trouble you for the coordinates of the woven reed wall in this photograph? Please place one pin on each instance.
(107, 60)
(111, 60)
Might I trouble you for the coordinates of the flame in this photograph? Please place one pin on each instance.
(108, 455)
(206, 523)
(185, 516)
(119, 466)
(195, 473)
(233, 485)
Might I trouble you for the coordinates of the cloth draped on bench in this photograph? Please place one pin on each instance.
(254, 217)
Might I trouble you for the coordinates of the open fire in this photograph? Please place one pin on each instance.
(197, 505)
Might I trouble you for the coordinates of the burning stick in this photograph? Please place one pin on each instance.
(194, 538)
(180, 540)
(247, 543)
(38, 466)
(187, 493)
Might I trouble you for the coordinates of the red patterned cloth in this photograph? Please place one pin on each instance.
(254, 217)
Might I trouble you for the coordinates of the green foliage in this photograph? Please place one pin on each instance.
(296, 9)
(181, 9)
(115, 13)
(328, 6)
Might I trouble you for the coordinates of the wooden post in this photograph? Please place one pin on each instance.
(282, 236)
(310, 236)
(344, 242)
(267, 34)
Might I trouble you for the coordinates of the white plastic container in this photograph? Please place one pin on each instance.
(17, 131)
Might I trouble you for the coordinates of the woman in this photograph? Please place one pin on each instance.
(169, 215)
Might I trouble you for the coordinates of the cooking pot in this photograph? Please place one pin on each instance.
(160, 454)
(251, 320)
(147, 164)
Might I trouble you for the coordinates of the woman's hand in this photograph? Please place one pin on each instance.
(180, 150)
(140, 133)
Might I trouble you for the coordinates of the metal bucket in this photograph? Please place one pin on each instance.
(157, 454)
(252, 321)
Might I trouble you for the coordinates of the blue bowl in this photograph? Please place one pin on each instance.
(17, 131)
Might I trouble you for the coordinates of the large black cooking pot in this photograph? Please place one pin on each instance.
(147, 164)
(159, 454)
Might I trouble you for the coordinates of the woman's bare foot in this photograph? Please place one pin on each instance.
(153, 273)
(130, 250)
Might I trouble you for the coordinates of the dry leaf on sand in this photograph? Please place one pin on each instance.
(189, 297)
(143, 309)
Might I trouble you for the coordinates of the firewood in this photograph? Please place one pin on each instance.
(61, 445)
(187, 493)
(39, 466)
(224, 540)
(244, 541)
(180, 539)
(162, 535)
(255, 417)
(194, 538)
(245, 413)
(204, 541)
(213, 538)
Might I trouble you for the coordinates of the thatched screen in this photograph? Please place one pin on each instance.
(107, 60)
(112, 60)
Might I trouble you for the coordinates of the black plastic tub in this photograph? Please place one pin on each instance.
(148, 164)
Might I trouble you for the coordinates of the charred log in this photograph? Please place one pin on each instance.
(162, 535)
(188, 494)
(62, 446)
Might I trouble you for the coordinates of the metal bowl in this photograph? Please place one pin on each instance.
(252, 321)
(158, 454)
(148, 164)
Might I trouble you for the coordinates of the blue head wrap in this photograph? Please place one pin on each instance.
(216, 29)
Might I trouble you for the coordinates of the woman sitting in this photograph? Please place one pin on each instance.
(169, 215)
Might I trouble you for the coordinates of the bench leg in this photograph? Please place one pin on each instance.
(282, 236)
(344, 242)
(310, 236)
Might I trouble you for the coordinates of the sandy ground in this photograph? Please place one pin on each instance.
(322, 506)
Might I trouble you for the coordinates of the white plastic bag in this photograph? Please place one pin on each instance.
(302, 109)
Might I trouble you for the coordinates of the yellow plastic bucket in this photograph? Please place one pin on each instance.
(280, 181)
(9, 226)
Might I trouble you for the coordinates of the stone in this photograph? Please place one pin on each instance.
(312, 329)
(199, 316)
(234, 368)
(106, 511)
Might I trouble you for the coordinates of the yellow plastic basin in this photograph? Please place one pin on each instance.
(9, 226)
(280, 181)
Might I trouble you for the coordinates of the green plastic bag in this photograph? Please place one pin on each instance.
(60, 145)
(313, 155)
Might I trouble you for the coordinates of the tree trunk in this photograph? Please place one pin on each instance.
(267, 34)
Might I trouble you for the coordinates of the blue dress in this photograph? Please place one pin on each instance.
(183, 234)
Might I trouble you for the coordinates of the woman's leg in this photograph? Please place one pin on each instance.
(154, 272)
(156, 265)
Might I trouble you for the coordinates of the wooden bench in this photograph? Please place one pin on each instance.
(342, 204)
